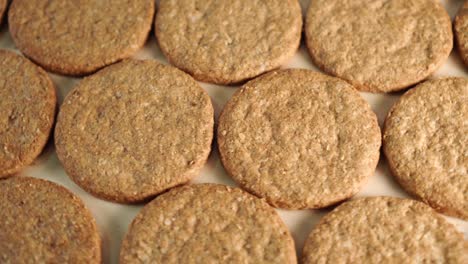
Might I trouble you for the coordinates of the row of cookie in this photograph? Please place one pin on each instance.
(208, 223)
(298, 138)
(380, 47)
(302, 139)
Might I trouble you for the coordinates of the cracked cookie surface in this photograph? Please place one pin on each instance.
(384, 230)
(298, 138)
(79, 37)
(133, 130)
(379, 45)
(27, 103)
(426, 144)
(42, 222)
(228, 41)
(207, 223)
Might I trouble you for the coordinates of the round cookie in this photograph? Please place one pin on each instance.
(207, 223)
(133, 130)
(3, 7)
(381, 45)
(27, 104)
(426, 144)
(461, 32)
(299, 138)
(384, 230)
(43, 222)
(79, 37)
(228, 41)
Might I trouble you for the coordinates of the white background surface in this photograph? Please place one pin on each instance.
(113, 219)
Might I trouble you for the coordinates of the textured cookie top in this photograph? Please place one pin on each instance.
(384, 230)
(79, 37)
(299, 138)
(461, 32)
(27, 103)
(43, 222)
(228, 41)
(207, 223)
(426, 143)
(379, 45)
(133, 130)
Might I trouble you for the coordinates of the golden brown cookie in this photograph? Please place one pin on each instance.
(133, 130)
(379, 45)
(207, 223)
(461, 32)
(384, 230)
(299, 138)
(79, 37)
(27, 103)
(426, 144)
(3, 7)
(42, 222)
(228, 41)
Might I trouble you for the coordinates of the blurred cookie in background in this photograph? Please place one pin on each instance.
(42, 222)
(381, 45)
(28, 104)
(228, 41)
(79, 37)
